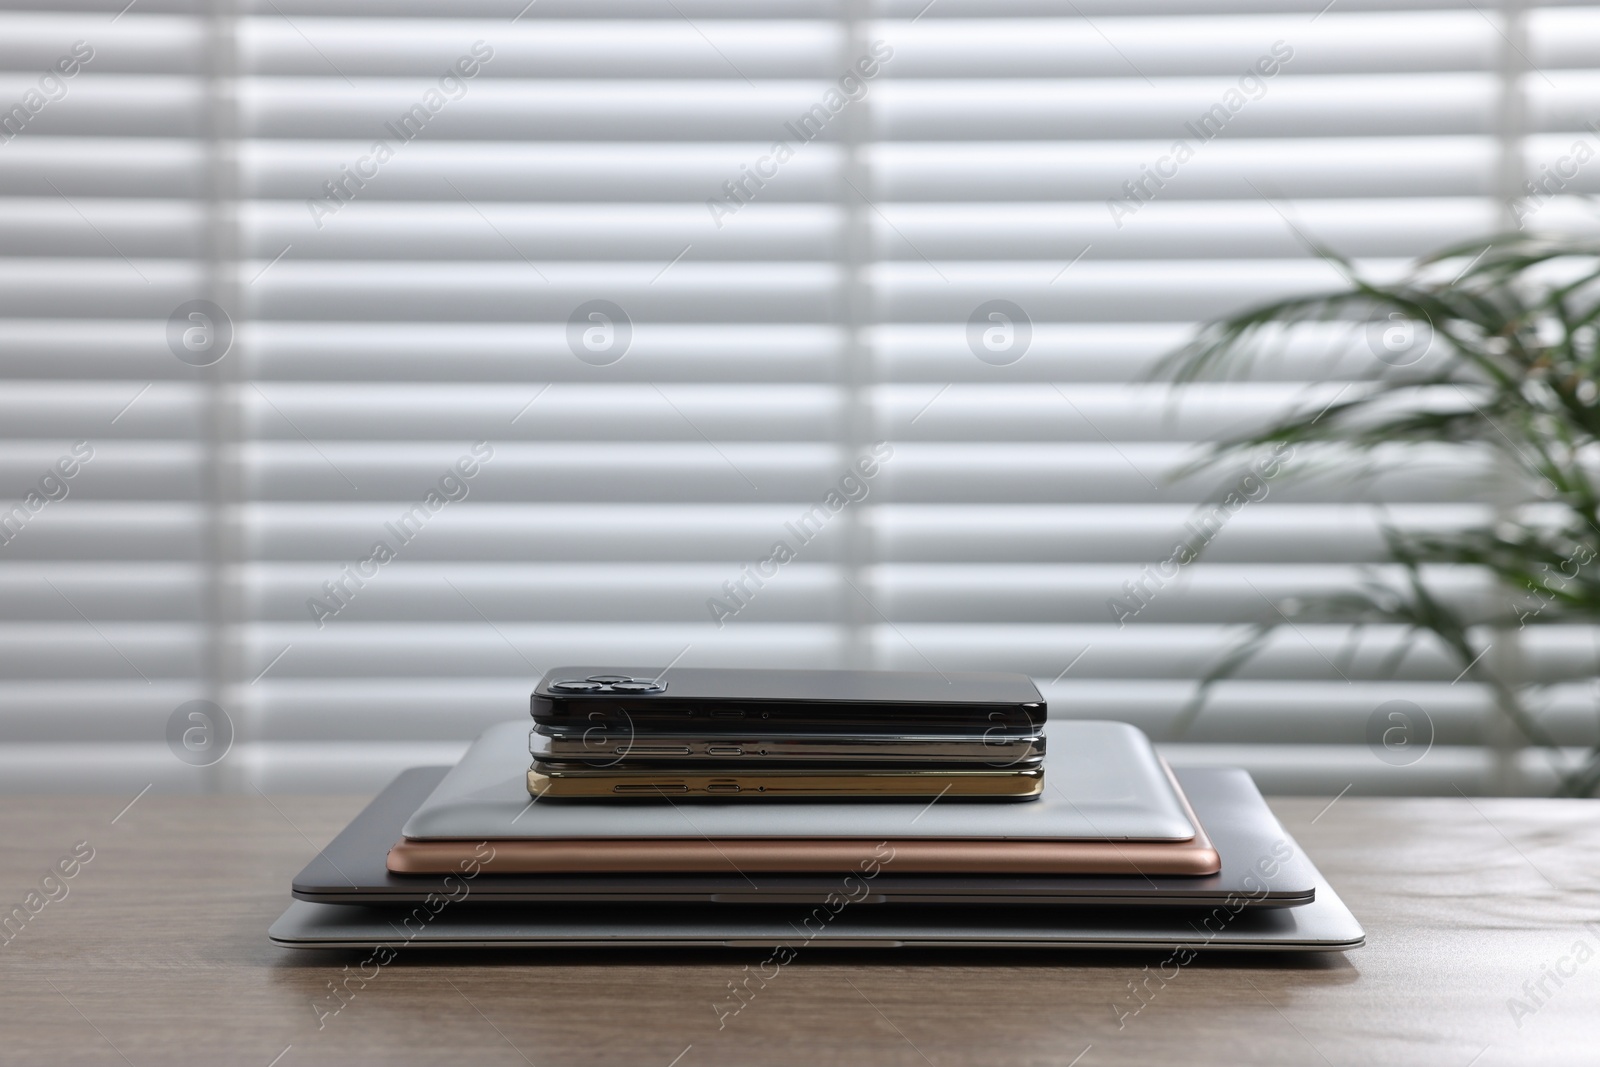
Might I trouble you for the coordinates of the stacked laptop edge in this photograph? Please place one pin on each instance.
(816, 808)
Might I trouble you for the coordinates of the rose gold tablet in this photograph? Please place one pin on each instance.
(620, 855)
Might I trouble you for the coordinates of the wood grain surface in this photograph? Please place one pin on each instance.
(158, 954)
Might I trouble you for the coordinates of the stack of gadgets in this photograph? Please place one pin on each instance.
(837, 808)
(766, 734)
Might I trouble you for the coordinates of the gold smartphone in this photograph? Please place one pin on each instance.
(578, 780)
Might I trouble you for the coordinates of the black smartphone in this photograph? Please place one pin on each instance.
(619, 700)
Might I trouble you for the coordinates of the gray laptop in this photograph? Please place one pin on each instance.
(1323, 925)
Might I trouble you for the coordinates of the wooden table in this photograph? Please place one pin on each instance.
(158, 954)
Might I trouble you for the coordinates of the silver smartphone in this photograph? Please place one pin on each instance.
(751, 782)
(601, 746)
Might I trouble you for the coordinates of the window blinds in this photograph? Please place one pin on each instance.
(649, 331)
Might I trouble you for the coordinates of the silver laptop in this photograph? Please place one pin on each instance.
(1323, 925)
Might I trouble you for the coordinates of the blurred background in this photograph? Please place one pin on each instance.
(579, 309)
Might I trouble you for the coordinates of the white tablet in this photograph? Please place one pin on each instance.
(1103, 782)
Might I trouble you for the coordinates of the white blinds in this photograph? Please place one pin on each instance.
(677, 265)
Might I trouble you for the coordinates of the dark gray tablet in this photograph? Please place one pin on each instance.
(1261, 866)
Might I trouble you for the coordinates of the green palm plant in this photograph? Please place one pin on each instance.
(1511, 374)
